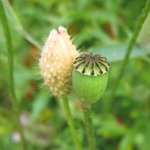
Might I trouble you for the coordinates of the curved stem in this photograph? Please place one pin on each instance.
(89, 126)
(132, 43)
(11, 75)
(19, 28)
(71, 124)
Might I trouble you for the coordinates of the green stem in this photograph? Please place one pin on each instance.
(131, 44)
(71, 124)
(89, 126)
(11, 75)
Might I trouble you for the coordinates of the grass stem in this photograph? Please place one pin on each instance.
(19, 27)
(9, 46)
(131, 44)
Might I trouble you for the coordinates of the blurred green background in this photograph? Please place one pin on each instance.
(121, 120)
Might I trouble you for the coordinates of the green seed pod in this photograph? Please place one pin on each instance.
(89, 77)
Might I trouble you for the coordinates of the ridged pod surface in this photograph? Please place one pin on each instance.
(90, 76)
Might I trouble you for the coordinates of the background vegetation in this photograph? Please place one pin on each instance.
(121, 119)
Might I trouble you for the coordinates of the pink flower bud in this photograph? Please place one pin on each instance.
(56, 61)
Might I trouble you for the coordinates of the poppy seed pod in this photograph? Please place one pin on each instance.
(89, 77)
(56, 62)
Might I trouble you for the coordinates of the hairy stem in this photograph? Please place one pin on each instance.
(71, 124)
(131, 44)
(89, 127)
(11, 75)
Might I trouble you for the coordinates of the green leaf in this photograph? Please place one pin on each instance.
(144, 36)
(117, 52)
(110, 127)
(126, 143)
(39, 104)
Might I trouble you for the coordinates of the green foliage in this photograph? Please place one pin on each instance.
(121, 121)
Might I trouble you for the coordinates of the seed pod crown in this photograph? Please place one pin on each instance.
(92, 65)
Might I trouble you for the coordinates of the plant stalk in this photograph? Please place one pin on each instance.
(89, 126)
(131, 44)
(9, 46)
(71, 124)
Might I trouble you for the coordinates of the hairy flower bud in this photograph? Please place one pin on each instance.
(57, 60)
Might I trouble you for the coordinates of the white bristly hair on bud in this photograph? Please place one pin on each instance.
(56, 61)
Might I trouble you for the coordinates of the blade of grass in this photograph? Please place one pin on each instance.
(18, 26)
(131, 44)
(9, 47)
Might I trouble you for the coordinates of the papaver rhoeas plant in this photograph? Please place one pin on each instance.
(63, 67)
(89, 79)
